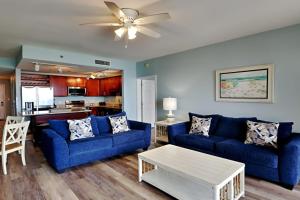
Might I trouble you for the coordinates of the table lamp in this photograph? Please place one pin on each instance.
(170, 104)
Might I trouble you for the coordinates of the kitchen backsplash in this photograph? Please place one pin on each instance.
(88, 100)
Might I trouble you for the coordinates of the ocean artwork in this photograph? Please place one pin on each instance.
(252, 84)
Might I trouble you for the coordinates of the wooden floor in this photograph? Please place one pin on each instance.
(115, 178)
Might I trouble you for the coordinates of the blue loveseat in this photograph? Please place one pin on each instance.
(226, 139)
(61, 153)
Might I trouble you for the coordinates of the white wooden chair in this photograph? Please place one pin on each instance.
(14, 119)
(14, 138)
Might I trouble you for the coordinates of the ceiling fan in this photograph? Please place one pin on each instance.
(130, 23)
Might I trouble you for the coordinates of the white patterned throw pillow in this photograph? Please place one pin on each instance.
(80, 129)
(263, 134)
(200, 126)
(119, 124)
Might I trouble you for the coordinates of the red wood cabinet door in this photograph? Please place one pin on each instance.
(59, 84)
(115, 88)
(71, 82)
(104, 86)
(81, 82)
(76, 82)
(92, 87)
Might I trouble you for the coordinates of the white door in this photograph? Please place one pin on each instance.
(2, 101)
(148, 101)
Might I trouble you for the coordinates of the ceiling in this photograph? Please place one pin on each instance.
(193, 23)
(27, 65)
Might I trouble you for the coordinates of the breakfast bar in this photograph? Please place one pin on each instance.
(39, 119)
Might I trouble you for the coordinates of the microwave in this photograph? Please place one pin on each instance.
(76, 91)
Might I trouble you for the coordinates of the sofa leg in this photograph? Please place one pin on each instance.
(145, 149)
(288, 186)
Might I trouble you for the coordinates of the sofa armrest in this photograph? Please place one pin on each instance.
(55, 149)
(289, 161)
(144, 127)
(177, 129)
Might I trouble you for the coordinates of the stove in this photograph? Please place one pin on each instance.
(75, 104)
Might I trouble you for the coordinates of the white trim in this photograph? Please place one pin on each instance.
(270, 68)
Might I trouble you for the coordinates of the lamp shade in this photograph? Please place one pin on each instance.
(170, 103)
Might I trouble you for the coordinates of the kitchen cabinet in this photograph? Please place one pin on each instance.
(76, 82)
(111, 86)
(59, 84)
(92, 87)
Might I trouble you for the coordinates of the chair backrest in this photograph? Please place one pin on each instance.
(14, 133)
(14, 119)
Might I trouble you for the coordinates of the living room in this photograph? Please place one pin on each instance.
(208, 103)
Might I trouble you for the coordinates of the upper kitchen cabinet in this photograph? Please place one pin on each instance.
(92, 87)
(111, 86)
(76, 82)
(59, 84)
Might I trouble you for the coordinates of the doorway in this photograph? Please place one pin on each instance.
(6, 92)
(146, 99)
(2, 102)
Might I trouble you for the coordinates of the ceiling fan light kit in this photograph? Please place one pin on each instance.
(129, 22)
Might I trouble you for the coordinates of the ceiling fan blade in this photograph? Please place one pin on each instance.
(115, 9)
(102, 24)
(117, 38)
(152, 19)
(148, 32)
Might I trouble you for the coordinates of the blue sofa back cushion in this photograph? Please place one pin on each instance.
(213, 124)
(103, 123)
(284, 131)
(62, 127)
(235, 128)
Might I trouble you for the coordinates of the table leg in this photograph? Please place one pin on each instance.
(231, 190)
(216, 193)
(242, 182)
(140, 165)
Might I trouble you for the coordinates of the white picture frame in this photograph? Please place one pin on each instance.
(246, 84)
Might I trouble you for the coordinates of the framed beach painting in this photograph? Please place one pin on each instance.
(246, 84)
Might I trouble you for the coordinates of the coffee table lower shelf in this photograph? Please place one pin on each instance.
(177, 186)
(182, 187)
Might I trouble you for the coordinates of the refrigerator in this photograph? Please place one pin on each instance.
(42, 97)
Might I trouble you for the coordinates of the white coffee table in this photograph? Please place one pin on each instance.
(187, 174)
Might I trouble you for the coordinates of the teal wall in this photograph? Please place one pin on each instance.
(76, 58)
(190, 75)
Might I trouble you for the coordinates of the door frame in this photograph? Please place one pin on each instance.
(139, 95)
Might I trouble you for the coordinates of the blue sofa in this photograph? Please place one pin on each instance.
(226, 139)
(61, 153)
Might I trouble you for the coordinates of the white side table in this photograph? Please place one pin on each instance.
(161, 130)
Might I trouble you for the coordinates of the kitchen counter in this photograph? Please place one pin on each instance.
(105, 106)
(39, 119)
(47, 112)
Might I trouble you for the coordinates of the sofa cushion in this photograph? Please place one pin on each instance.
(80, 128)
(263, 134)
(90, 145)
(200, 126)
(127, 137)
(284, 131)
(103, 123)
(247, 153)
(213, 124)
(235, 128)
(198, 141)
(118, 124)
(62, 127)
